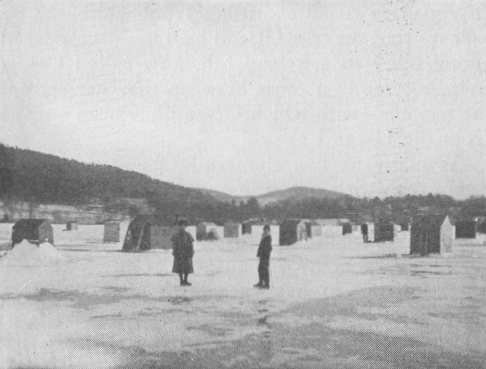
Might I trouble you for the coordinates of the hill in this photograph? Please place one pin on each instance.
(299, 193)
(36, 178)
(293, 193)
(220, 196)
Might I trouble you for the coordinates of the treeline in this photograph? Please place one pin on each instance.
(396, 209)
(36, 178)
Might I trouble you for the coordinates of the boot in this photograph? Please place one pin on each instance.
(265, 285)
(258, 285)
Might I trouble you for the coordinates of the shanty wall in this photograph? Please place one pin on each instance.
(160, 236)
(219, 231)
(330, 231)
(46, 233)
(481, 228)
(42, 233)
(71, 226)
(446, 240)
(201, 228)
(424, 239)
(232, 230)
(275, 232)
(384, 232)
(371, 232)
(397, 228)
(347, 229)
(192, 230)
(292, 233)
(111, 232)
(315, 230)
(256, 234)
(466, 230)
(5, 235)
(429, 238)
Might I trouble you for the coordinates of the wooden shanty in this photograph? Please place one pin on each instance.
(404, 227)
(481, 226)
(384, 231)
(292, 231)
(72, 225)
(466, 229)
(33, 230)
(347, 229)
(232, 230)
(247, 226)
(371, 231)
(331, 227)
(313, 229)
(431, 234)
(111, 232)
(209, 231)
(147, 232)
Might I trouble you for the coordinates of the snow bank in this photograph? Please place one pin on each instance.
(28, 254)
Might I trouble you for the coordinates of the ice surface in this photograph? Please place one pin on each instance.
(100, 307)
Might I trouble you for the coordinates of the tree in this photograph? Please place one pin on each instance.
(253, 208)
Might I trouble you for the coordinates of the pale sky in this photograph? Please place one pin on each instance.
(371, 98)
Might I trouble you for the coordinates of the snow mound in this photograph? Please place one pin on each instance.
(28, 254)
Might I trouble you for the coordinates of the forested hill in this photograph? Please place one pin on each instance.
(293, 193)
(34, 178)
(38, 178)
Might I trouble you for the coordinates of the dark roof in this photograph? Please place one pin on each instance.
(312, 223)
(466, 222)
(291, 222)
(254, 222)
(151, 219)
(28, 223)
(432, 219)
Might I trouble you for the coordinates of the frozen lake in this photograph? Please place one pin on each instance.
(334, 303)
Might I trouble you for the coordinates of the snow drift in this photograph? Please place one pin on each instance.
(28, 254)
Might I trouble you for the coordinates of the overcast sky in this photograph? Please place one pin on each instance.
(370, 98)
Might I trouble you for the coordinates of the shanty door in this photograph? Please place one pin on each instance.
(424, 243)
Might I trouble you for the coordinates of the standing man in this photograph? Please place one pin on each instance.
(183, 251)
(364, 232)
(263, 253)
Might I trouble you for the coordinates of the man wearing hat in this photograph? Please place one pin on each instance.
(183, 251)
(264, 250)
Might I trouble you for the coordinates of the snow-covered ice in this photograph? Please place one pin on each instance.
(334, 302)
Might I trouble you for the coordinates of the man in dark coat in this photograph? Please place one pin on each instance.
(364, 232)
(263, 253)
(183, 251)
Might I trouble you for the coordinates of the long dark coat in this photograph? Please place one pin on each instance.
(265, 247)
(183, 251)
